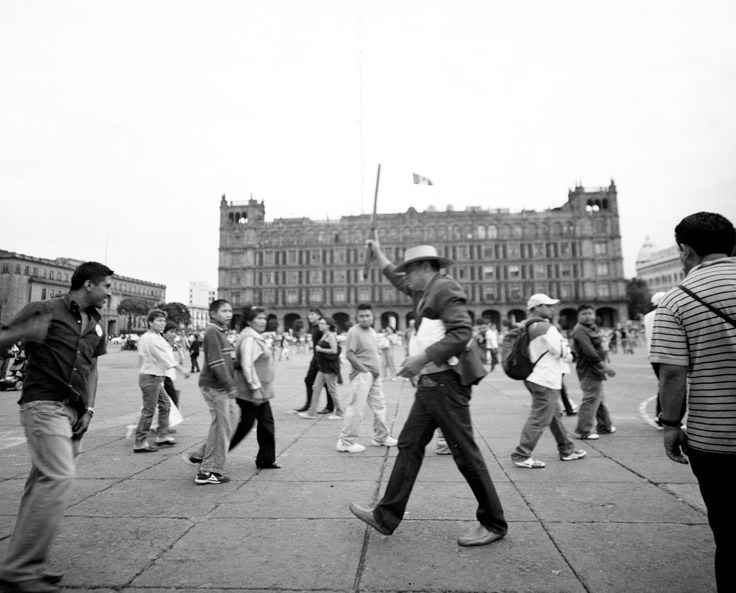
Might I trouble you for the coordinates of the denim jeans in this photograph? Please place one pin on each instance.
(364, 388)
(48, 430)
(309, 383)
(545, 412)
(251, 413)
(224, 415)
(329, 382)
(593, 412)
(152, 389)
(441, 401)
(715, 473)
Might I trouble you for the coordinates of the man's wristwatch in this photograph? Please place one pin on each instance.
(90, 411)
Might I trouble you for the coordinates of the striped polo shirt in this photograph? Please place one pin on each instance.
(687, 333)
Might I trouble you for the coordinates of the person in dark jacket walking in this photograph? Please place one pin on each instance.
(442, 397)
(592, 370)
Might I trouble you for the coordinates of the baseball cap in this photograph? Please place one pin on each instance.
(540, 299)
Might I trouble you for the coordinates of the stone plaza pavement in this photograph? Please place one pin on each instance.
(624, 519)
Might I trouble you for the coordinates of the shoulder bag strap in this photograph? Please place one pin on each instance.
(720, 314)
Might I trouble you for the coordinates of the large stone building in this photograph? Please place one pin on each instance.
(289, 264)
(24, 278)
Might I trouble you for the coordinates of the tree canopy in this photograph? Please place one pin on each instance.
(133, 306)
(176, 312)
(637, 297)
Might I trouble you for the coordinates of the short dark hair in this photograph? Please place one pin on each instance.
(330, 323)
(155, 314)
(217, 304)
(170, 325)
(484, 321)
(365, 307)
(93, 271)
(706, 233)
(585, 307)
(314, 310)
(250, 312)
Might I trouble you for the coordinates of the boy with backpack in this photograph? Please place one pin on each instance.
(536, 353)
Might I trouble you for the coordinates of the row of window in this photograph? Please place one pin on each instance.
(464, 273)
(270, 297)
(34, 271)
(457, 253)
(456, 232)
(64, 276)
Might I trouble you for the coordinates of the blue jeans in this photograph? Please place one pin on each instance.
(48, 430)
(152, 389)
(224, 415)
(441, 401)
(593, 412)
(715, 473)
(545, 412)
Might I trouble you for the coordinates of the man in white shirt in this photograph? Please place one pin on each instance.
(648, 330)
(550, 351)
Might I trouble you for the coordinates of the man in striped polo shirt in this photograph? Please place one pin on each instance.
(695, 343)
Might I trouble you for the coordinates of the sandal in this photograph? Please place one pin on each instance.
(530, 464)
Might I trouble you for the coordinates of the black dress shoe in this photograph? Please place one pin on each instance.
(31, 586)
(326, 411)
(52, 577)
(479, 536)
(273, 465)
(302, 409)
(366, 515)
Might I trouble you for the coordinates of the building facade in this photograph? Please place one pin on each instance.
(24, 278)
(661, 269)
(501, 258)
(201, 294)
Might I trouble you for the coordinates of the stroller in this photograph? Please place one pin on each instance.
(16, 374)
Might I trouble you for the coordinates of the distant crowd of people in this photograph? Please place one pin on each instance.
(691, 342)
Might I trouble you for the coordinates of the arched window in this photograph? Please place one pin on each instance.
(480, 231)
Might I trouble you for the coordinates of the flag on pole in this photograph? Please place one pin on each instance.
(419, 180)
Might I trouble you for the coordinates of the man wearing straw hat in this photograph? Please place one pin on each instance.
(445, 372)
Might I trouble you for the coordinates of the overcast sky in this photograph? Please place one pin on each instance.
(123, 123)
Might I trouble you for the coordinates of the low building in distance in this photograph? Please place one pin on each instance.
(661, 269)
(201, 294)
(24, 278)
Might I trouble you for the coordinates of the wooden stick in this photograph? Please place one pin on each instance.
(369, 252)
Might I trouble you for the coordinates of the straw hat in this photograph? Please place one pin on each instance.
(421, 253)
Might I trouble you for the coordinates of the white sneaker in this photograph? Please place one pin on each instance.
(387, 442)
(354, 448)
(576, 454)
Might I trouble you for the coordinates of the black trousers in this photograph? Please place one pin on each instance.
(265, 431)
(441, 401)
(171, 391)
(715, 473)
(565, 399)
